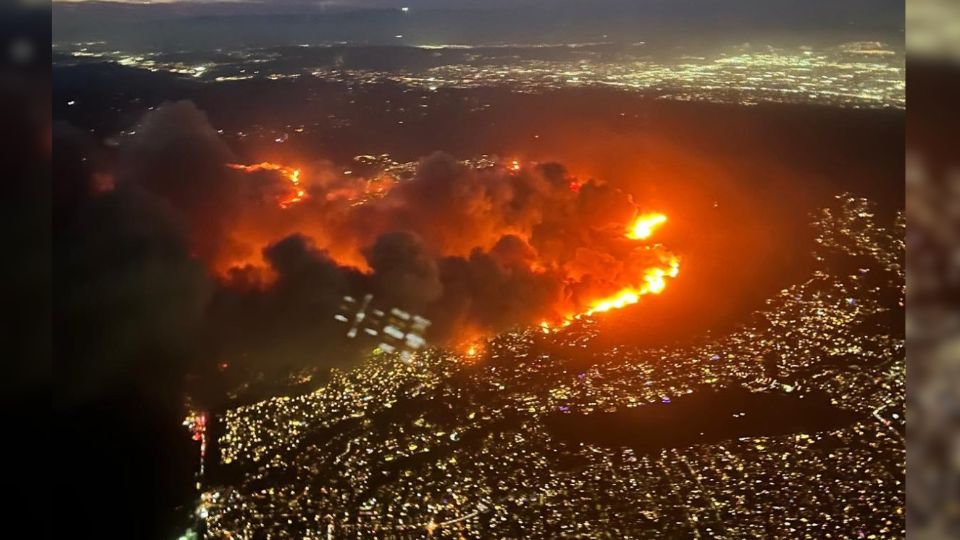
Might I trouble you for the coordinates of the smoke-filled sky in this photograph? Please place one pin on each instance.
(211, 252)
(476, 251)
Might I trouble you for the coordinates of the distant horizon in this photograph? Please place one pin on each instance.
(199, 24)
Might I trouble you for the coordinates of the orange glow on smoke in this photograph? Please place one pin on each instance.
(361, 192)
(103, 182)
(296, 192)
(644, 225)
(624, 267)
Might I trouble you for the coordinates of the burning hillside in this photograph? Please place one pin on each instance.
(475, 247)
(635, 270)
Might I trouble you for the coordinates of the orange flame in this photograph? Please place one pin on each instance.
(643, 226)
(294, 195)
(653, 280)
(650, 280)
(471, 352)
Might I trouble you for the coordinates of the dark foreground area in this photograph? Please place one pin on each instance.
(703, 417)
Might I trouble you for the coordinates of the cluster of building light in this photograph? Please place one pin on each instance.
(858, 74)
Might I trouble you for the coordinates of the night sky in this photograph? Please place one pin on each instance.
(200, 24)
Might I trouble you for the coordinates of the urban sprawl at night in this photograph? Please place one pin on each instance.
(500, 443)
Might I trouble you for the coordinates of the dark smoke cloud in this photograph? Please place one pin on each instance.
(489, 292)
(476, 251)
(176, 154)
(131, 298)
(455, 208)
(404, 272)
(513, 253)
(290, 323)
(130, 309)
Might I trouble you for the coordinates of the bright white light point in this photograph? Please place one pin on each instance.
(71, 102)
(405, 9)
(398, 36)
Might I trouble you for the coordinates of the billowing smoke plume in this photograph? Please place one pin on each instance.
(177, 155)
(129, 323)
(290, 322)
(476, 250)
(404, 272)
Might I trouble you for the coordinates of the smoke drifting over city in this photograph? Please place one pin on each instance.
(270, 251)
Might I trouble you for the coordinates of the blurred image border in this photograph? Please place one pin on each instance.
(932, 205)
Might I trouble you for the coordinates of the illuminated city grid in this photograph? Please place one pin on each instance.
(449, 446)
(856, 74)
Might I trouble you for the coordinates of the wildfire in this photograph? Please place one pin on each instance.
(643, 226)
(294, 195)
(644, 278)
(653, 280)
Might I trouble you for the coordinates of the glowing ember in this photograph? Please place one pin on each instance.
(644, 225)
(196, 423)
(294, 195)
